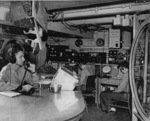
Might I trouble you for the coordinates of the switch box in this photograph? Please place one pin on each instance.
(117, 21)
(126, 21)
(114, 38)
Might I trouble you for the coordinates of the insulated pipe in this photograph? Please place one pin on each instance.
(121, 9)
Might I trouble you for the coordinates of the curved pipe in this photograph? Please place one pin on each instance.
(131, 72)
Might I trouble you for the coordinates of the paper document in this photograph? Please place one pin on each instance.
(65, 79)
(10, 93)
(66, 100)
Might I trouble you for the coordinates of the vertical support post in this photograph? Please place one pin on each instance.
(136, 26)
(145, 68)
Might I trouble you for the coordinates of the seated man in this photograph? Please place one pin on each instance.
(86, 71)
(47, 68)
(117, 93)
(17, 75)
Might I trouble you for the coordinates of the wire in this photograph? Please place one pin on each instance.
(71, 26)
(22, 82)
(58, 40)
(83, 28)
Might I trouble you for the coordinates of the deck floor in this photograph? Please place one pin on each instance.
(95, 114)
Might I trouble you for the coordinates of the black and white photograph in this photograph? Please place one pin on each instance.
(75, 60)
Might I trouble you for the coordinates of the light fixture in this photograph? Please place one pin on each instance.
(106, 69)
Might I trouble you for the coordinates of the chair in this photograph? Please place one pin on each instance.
(123, 104)
(90, 84)
(89, 87)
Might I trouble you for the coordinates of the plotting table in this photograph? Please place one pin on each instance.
(43, 106)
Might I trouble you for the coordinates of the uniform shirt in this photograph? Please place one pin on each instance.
(47, 69)
(122, 80)
(87, 71)
(124, 83)
(12, 75)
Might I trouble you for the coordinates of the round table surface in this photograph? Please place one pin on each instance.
(42, 106)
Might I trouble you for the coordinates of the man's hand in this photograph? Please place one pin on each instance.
(32, 68)
(26, 88)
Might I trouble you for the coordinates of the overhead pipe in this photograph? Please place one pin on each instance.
(94, 4)
(96, 12)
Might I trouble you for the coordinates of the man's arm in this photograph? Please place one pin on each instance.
(5, 83)
(33, 73)
(113, 81)
(4, 74)
(123, 84)
(82, 78)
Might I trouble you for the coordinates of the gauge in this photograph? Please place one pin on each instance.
(78, 42)
(100, 42)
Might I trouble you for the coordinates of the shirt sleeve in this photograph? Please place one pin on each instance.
(5, 79)
(83, 77)
(123, 84)
(31, 78)
(4, 74)
(35, 78)
(113, 81)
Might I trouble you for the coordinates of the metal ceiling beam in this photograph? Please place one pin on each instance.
(121, 9)
(106, 20)
(65, 5)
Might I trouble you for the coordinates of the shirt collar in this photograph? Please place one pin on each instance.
(15, 67)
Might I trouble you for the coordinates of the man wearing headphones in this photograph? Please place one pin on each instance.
(118, 93)
(16, 73)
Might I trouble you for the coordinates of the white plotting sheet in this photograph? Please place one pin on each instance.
(66, 100)
(10, 93)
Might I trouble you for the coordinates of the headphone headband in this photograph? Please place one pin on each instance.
(12, 51)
